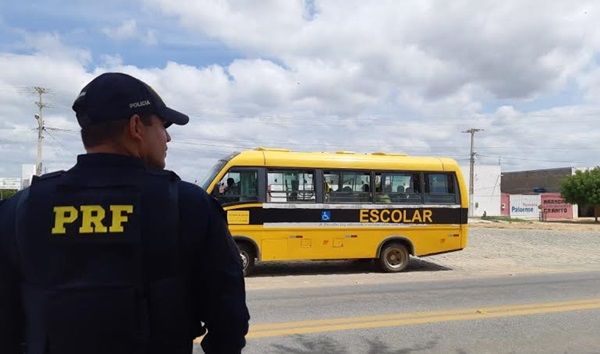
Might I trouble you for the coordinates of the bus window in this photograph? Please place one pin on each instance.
(238, 185)
(397, 187)
(347, 186)
(440, 188)
(379, 196)
(290, 186)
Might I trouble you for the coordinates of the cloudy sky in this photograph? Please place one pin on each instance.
(401, 76)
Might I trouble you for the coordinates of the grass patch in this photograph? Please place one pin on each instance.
(504, 218)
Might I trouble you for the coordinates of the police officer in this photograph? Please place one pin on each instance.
(118, 255)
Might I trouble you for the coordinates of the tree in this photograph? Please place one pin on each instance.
(583, 188)
(7, 193)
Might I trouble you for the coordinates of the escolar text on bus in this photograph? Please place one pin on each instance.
(396, 215)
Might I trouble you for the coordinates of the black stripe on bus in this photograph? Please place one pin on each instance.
(437, 215)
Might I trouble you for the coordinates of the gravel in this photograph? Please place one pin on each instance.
(525, 250)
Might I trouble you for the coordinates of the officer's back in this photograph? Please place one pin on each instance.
(117, 255)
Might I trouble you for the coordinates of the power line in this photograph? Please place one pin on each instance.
(60, 145)
(591, 115)
(526, 159)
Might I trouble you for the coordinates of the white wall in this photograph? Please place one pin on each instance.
(10, 183)
(27, 172)
(486, 191)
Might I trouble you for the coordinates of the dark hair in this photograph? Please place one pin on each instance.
(99, 133)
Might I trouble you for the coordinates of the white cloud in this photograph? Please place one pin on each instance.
(128, 30)
(433, 48)
(346, 75)
(108, 61)
(60, 69)
(49, 45)
(149, 38)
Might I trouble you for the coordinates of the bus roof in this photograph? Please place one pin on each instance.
(342, 159)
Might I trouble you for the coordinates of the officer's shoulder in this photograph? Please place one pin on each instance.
(191, 190)
(47, 176)
(197, 195)
(164, 174)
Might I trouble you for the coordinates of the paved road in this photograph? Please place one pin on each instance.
(555, 313)
(510, 291)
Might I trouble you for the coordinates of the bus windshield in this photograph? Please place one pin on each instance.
(214, 170)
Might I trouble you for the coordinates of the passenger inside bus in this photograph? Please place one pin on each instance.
(231, 188)
(381, 197)
(293, 196)
(230, 192)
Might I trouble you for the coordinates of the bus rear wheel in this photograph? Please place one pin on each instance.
(394, 257)
(247, 255)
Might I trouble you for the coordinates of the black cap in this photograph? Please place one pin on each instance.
(116, 96)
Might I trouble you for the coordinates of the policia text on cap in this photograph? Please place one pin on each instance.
(118, 255)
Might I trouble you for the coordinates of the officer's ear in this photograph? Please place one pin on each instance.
(135, 129)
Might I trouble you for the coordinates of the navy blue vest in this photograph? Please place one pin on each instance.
(101, 261)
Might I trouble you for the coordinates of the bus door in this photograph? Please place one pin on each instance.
(291, 197)
(345, 193)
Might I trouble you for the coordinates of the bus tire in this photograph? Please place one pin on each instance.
(394, 257)
(247, 256)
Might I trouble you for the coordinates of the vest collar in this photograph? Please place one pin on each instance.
(109, 160)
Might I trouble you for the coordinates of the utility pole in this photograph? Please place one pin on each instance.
(472, 131)
(40, 120)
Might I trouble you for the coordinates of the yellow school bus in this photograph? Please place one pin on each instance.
(283, 205)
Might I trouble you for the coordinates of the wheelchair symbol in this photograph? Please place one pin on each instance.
(326, 215)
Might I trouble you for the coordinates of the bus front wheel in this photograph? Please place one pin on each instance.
(247, 256)
(394, 257)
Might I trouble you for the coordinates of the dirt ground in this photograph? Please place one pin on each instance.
(579, 224)
(495, 248)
